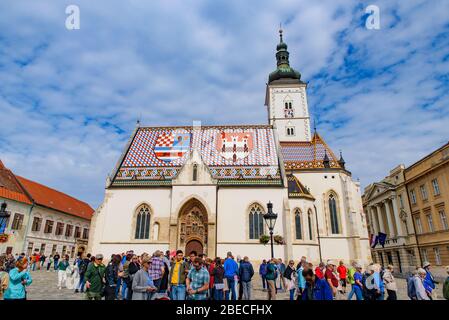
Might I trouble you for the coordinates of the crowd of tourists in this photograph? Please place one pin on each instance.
(172, 275)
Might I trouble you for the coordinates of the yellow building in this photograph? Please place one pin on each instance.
(427, 184)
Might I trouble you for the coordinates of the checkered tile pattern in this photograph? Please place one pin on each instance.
(307, 155)
(141, 162)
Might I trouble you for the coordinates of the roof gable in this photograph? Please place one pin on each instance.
(10, 188)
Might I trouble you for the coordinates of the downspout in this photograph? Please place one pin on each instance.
(216, 220)
(318, 232)
(27, 230)
(414, 226)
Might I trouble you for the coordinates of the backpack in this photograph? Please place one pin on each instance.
(82, 267)
(411, 289)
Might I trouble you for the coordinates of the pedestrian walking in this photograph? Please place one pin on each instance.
(143, 286)
(342, 274)
(419, 288)
(48, 262)
(111, 277)
(197, 281)
(290, 276)
(95, 282)
(357, 286)
(429, 281)
(56, 258)
(19, 279)
(263, 273)
(331, 277)
(218, 274)
(157, 268)
(231, 271)
(246, 273)
(177, 277)
(390, 283)
(271, 278)
(82, 268)
(281, 269)
(62, 272)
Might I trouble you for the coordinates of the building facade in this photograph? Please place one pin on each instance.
(42, 219)
(427, 183)
(206, 188)
(387, 209)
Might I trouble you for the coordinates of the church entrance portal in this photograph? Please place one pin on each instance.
(192, 227)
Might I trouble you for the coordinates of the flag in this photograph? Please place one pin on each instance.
(374, 241)
(382, 238)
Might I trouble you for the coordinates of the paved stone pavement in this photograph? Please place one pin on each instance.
(44, 287)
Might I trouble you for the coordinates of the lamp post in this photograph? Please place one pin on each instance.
(4, 215)
(270, 219)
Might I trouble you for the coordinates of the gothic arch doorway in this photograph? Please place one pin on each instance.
(192, 227)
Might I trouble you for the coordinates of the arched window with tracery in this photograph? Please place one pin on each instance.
(143, 222)
(335, 228)
(309, 222)
(298, 226)
(288, 109)
(256, 221)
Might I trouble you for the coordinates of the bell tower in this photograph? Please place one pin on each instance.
(286, 99)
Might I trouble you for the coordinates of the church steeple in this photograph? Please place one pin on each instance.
(283, 71)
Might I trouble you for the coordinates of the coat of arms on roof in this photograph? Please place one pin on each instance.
(171, 146)
(235, 146)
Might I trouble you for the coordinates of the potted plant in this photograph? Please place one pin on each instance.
(264, 239)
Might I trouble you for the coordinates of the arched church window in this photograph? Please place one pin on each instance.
(298, 227)
(255, 221)
(335, 228)
(143, 222)
(288, 109)
(309, 222)
(195, 172)
(290, 131)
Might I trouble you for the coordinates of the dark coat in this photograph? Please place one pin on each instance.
(246, 271)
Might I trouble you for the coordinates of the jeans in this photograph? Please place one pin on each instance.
(246, 290)
(124, 289)
(357, 291)
(157, 283)
(178, 292)
(231, 287)
(33, 266)
(117, 288)
(56, 264)
(81, 284)
(48, 266)
(218, 294)
(264, 282)
(292, 294)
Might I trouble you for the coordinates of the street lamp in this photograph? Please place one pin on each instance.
(270, 219)
(4, 215)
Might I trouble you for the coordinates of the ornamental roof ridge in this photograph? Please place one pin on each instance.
(236, 126)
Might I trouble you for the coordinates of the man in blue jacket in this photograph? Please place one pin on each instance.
(429, 281)
(263, 274)
(231, 270)
(316, 288)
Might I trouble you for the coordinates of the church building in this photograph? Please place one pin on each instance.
(206, 188)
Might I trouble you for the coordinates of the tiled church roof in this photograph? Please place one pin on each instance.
(296, 189)
(308, 155)
(233, 154)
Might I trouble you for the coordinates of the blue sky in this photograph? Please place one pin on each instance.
(70, 99)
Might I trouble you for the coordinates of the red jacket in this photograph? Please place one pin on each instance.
(211, 270)
(319, 273)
